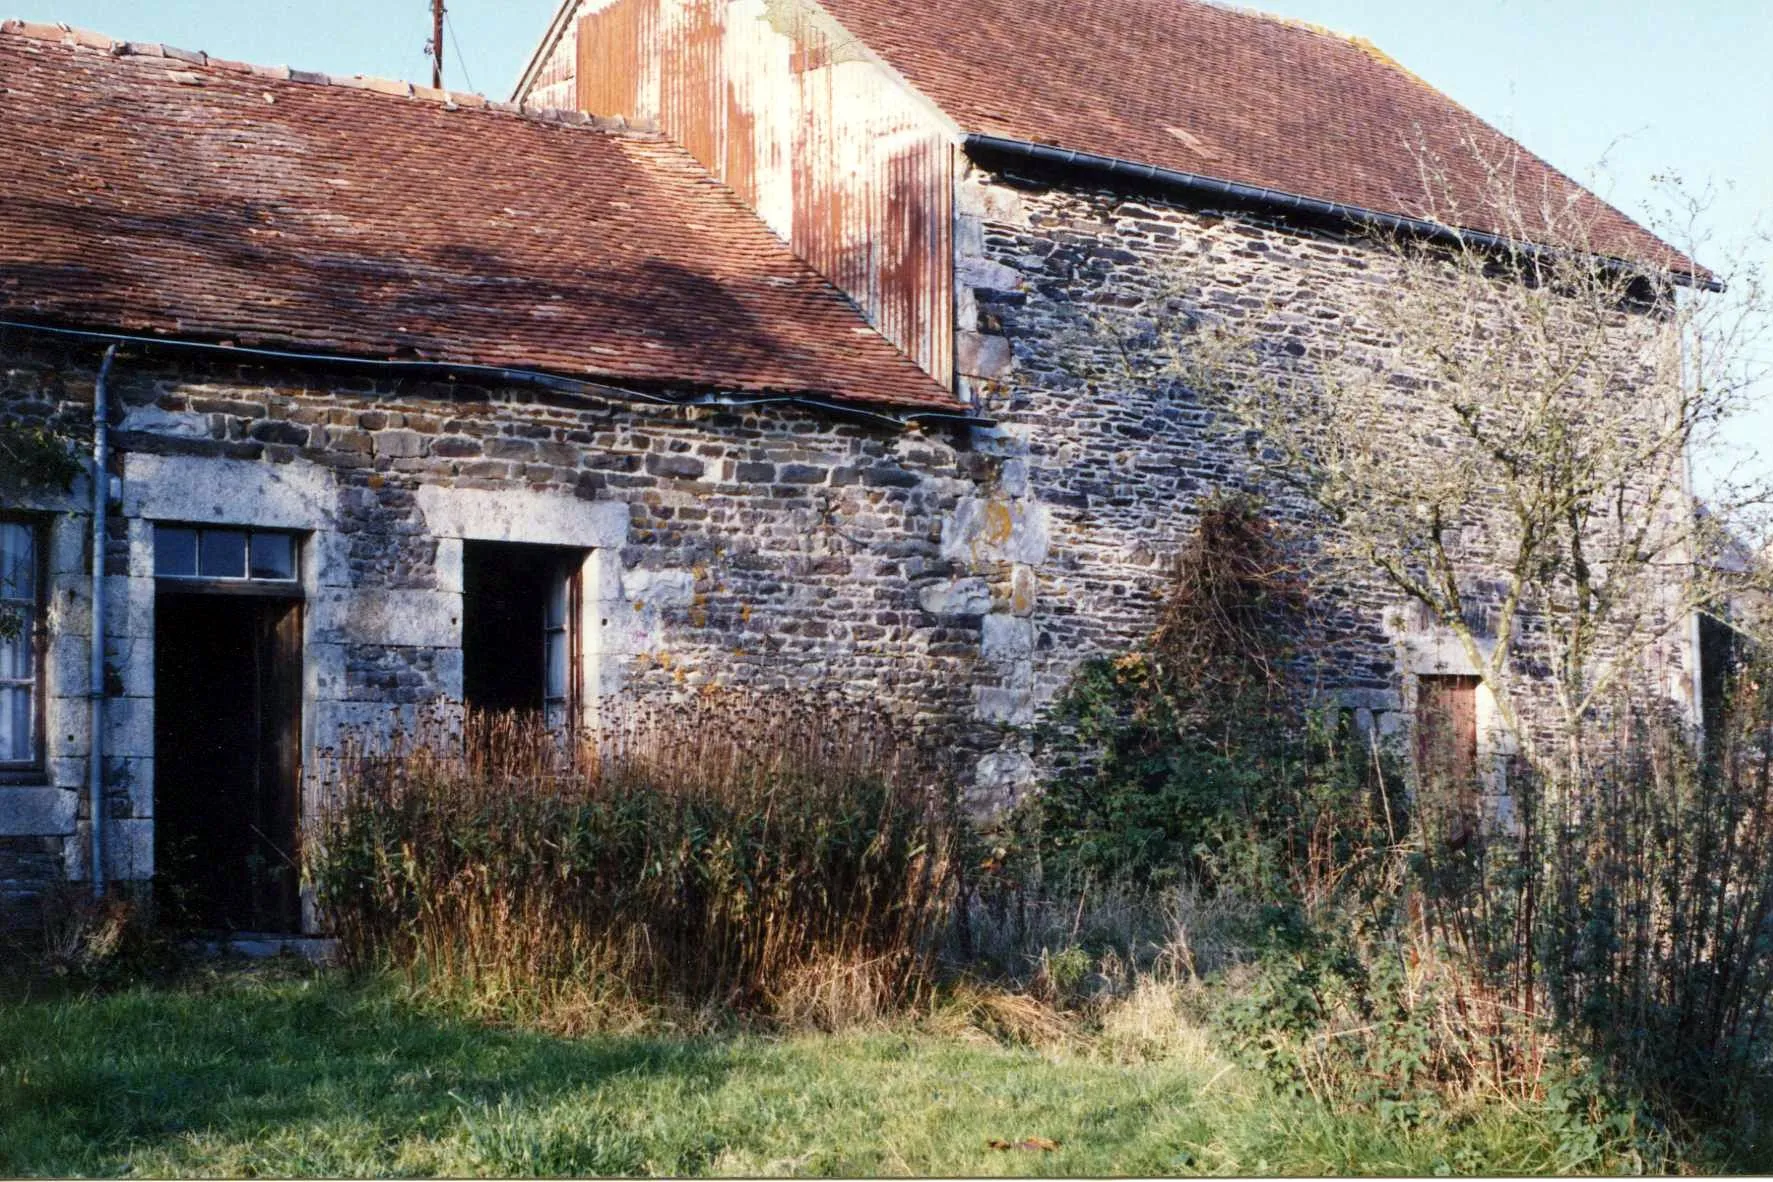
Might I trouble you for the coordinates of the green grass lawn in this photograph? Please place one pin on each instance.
(297, 1074)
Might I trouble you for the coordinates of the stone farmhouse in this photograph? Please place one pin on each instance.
(738, 349)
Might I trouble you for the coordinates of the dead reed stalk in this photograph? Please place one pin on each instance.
(761, 853)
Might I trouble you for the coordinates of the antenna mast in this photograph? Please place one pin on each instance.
(437, 44)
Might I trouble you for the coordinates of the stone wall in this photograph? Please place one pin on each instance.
(959, 575)
(1050, 274)
(1115, 461)
(764, 546)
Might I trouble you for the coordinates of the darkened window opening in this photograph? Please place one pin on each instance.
(23, 576)
(520, 642)
(225, 554)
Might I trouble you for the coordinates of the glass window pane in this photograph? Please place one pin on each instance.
(554, 614)
(554, 685)
(273, 556)
(221, 554)
(15, 725)
(18, 561)
(15, 655)
(175, 551)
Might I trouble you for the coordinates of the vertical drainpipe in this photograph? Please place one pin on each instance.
(95, 692)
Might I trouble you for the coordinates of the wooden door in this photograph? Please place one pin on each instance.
(227, 723)
(277, 888)
(1447, 754)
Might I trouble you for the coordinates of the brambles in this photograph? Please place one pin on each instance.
(1192, 758)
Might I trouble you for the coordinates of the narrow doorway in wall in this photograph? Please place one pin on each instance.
(1447, 753)
(227, 729)
(520, 629)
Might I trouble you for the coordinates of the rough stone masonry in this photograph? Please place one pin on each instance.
(959, 574)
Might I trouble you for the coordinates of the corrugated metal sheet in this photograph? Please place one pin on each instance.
(831, 151)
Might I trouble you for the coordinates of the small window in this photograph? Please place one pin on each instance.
(221, 554)
(175, 551)
(207, 552)
(21, 646)
(520, 642)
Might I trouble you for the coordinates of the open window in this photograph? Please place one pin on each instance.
(520, 629)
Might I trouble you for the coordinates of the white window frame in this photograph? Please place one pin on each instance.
(34, 610)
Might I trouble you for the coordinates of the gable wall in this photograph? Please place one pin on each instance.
(1116, 464)
(838, 158)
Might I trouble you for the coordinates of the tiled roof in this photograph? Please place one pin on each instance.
(153, 190)
(1219, 92)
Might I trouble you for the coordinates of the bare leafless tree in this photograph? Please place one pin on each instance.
(1503, 433)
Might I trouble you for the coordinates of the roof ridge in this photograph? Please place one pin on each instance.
(1355, 40)
(1514, 145)
(449, 100)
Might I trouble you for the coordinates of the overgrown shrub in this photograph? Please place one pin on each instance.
(760, 853)
(1191, 757)
(1611, 957)
(1635, 923)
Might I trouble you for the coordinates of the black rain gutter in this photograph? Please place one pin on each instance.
(539, 379)
(1196, 185)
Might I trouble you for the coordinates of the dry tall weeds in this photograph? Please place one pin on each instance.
(767, 853)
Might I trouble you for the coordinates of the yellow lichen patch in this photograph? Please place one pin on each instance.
(1022, 593)
(999, 523)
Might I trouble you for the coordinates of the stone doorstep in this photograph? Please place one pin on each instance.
(318, 950)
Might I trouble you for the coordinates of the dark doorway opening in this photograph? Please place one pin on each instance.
(520, 644)
(227, 744)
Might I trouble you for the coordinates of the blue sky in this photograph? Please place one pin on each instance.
(1648, 86)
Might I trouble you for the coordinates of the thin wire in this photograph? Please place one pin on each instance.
(450, 27)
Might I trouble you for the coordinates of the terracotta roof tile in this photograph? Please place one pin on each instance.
(337, 217)
(1215, 91)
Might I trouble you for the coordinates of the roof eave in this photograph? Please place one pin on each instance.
(880, 410)
(556, 27)
(1198, 185)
